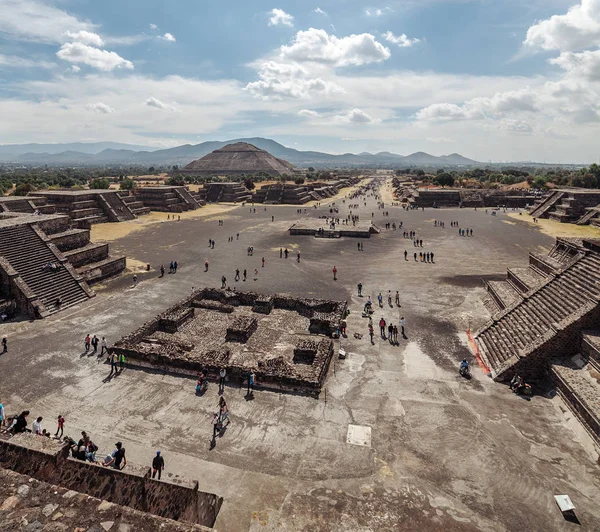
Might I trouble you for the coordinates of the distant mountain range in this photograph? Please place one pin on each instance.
(112, 153)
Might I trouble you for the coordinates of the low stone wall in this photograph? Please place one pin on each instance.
(71, 240)
(48, 461)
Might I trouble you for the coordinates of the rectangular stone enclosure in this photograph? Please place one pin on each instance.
(286, 341)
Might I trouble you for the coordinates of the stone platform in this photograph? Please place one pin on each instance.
(286, 344)
(320, 228)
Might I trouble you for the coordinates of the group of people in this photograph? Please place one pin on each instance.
(93, 342)
(18, 424)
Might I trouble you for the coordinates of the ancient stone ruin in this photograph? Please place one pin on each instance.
(578, 206)
(465, 197)
(550, 307)
(46, 264)
(285, 340)
(79, 492)
(168, 199)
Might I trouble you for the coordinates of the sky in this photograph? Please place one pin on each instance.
(494, 80)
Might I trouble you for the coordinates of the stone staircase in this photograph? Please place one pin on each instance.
(577, 380)
(136, 207)
(592, 217)
(537, 310)
(26, 252)
(114, 207)
(541, 207)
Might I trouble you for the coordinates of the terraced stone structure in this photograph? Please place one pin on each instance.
(242, 331)
(84, 492)
(300, 194)
(540, 321)
(239, 158)
(579, 206)
(87, 207)
(225, 192)
(467, 198)
(29, 242)
(167, 199)
(319, 228)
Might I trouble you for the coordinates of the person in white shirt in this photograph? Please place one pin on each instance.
(37, 426)
(104, 345)
(222, 375)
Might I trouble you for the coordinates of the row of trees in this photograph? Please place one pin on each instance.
(588, 177)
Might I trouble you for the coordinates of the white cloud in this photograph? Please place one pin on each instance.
(308, 113)
(319, 11)
(377, 12)
(279, 16)
(84, 37)
(515, 126)
(100, 59)
(38, 21)
(585, 65)
(318, 46)
(401, 40)
(153, 26)
(288, 80)
(168, 37)
(579, 28)
(357, 116)
(440, 140)
(100, 108)
(154, 102)
(13, 61)
(75, 68)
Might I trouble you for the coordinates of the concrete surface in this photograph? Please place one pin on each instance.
(446, 453)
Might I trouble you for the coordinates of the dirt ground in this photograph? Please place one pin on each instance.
(443, 454)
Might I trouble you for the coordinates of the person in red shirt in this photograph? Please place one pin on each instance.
(334, 273)
(61, 425)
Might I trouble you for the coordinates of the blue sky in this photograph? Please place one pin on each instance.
(492, 80)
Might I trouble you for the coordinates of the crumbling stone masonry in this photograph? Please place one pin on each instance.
(242, 331)
(48, 460)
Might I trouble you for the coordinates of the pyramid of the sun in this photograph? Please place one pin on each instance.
(239, 158)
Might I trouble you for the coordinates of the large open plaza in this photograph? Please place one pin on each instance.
(395, 440)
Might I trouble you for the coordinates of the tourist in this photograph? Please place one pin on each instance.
(121, 362)
(206, 266)
(115, 458)
(298, 257)
(380, 300)
(390, 333)
(237, 274)
(382, 325)
(395, 333)
(216, 425)
(359, 286)
(255, 274)
(95, 343)
(4, 345)
(60, 426)
(223, 282)
(104, 346)
(134, 281)
(174, 266)
(251, 377)
(223, 410)
(431, 256)
(37, 426)
(286, 253)
(158, 464)
(415, 257)
(87, 343)
(280, 253)
(263, 262)
(402, 325)
(222, 378)
(334, 273)
(2, 416)
(390, 298)
(245, 275)
(371, 332)
(113, 364)
(162, 270)
(405, 254)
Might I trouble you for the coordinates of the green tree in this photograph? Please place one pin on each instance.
(249, 184)
(299, 181)
(23, 189)
(176, 181)
(127, 184)
(151, 170)
(100, 183)
(445, 179)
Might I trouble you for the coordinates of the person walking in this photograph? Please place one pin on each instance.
(205, 266)
(237, 274)
(245, 275)
(158, 464)
(95, 343)
(371, 332)
(87, 342)
(113, 364)
(222, 378)
(382, 325)
(4, 345)
(121, 362)
(250, 383)
(162, 270)
(334, 273)
(263, 262)
(398, 299)
(359, 286)
(104, 346)
(402, 325)
(134, 281)
(223, 281)
(405, 255)
(60, 426)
